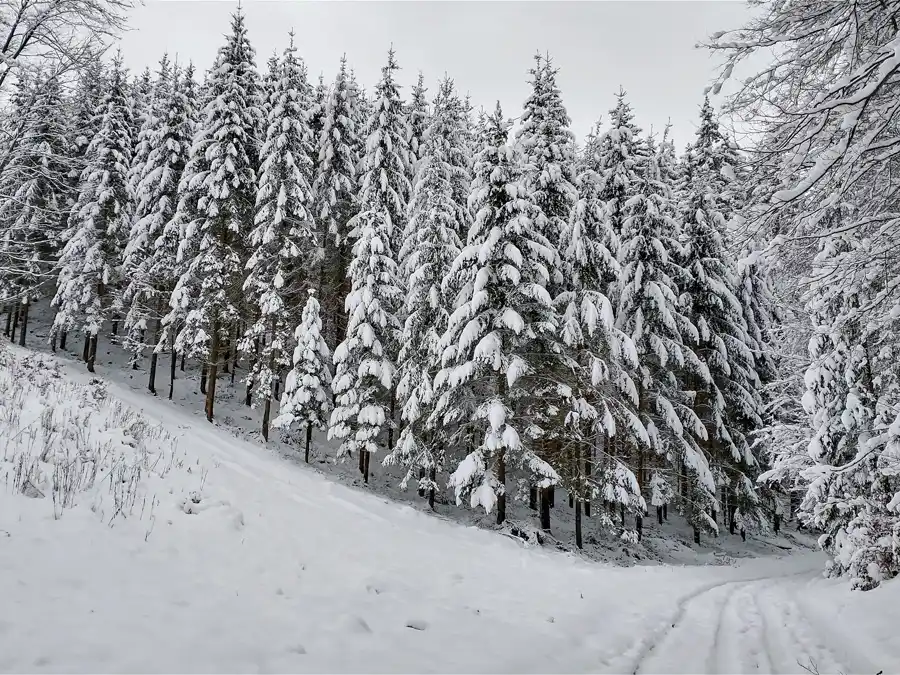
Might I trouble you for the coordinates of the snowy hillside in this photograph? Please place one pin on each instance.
(180, 548)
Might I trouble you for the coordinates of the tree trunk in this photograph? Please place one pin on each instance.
(588, 472)
(203, 371)
(154, 359)
(432, 474)
(578, 541)
(421, 476)
(696, 535)
(92, 353)
(659, 516)
(545, 508)
(665, 512)
(62, 339)
(366, 454)
(53, 342)
(15, 322)
(639, 526)
(390, 438)
(9, 313)
(571, 501)
(183, 356)
(248, 400)
(362, 461)
(234, 353)
(551, 495)
(173, 364)
(86, 351)
(212, 371)
(267, 411)
(777, 522)
(532, 498)
(501, 478)
(743, 534)
(308, 440)
(24, 311)
(622, 513)
(115, 326)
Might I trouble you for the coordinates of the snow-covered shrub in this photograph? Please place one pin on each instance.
(72, 443)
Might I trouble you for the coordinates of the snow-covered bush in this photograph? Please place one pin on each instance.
(73, 444)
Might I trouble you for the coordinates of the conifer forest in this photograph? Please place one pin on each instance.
(504, 316)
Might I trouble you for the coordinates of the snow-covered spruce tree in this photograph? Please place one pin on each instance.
(34, 211)
(727, 393)
(603, 355)
(430, 246)
(283, 233)
(89, 262)
(498, 349)
(649, 313)
(223, 181)
(152, 250)
(334, 189)
(152, 119)
(851, 399)
(306, 401)
(616, 158)
(548, 150)
(366, 359)
(418, 113)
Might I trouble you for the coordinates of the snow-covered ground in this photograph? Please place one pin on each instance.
(195, 551)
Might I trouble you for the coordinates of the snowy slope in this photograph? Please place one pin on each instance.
(279, 569)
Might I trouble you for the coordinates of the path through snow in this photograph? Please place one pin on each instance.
(282, 570)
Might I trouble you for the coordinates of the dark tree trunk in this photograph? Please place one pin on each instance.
(366, 455)
(86, 351)
(622, 514)
(24, 312)
(183, 356)
(62, 339)
(252, 362)
(212, 371)
(115, 326)
(203, 371)
(532, 498)
(545, 508)
(390, 438)
(308, 441)
(639, 526)
(15, 322)
(173, 365)
(665, 512)
(732, 524)
(552, 496)
(696, 536)
(9, 313)
(571, 501)
(743, 534)
(659, 516)
(578, 540)
(154, 359)
(267, 411)
(421, 476)
(587, 508)
(432, 474)
(53, 343)
(362, 461)
(501, 478)
(777, 522)
(92, 353)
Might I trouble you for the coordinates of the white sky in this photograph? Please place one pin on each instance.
(486, 47)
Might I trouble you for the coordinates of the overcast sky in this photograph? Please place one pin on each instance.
(486, 47)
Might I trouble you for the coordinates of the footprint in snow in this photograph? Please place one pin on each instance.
(417, 624)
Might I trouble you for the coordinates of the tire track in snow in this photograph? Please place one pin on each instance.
(648, 648)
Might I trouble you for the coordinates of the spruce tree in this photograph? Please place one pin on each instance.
(33, 215)
(417, 110)
(283, 231)
(335, 189)
(89, 262)
(430, 246)
(649, 313)
(306, 400)
(366, 359)
(152, 251)
(223, 181)
(494, 348)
